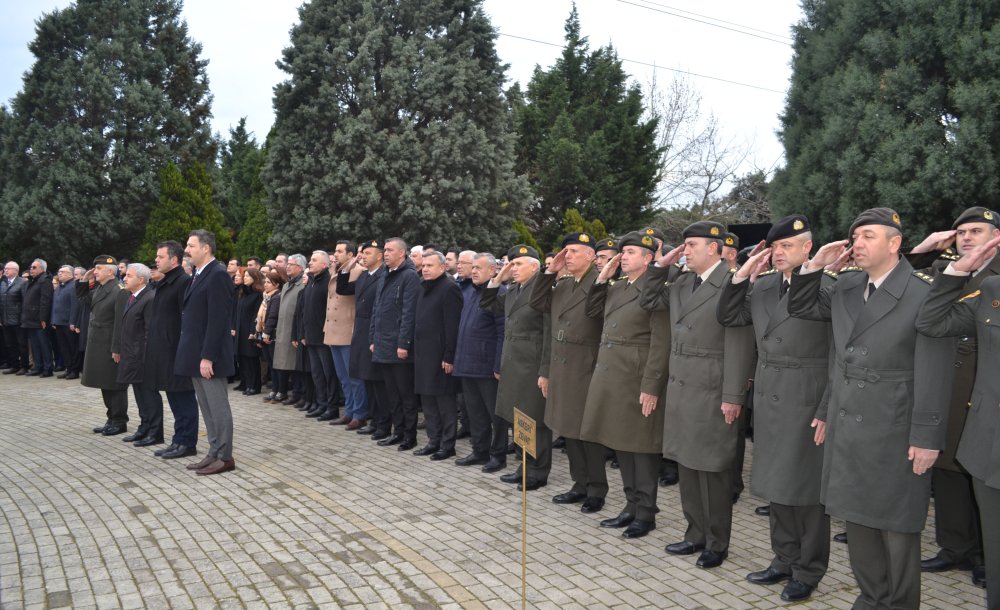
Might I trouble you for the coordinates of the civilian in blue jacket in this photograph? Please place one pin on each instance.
(477, 365)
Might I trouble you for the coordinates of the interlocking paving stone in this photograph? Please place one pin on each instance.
(316, 517)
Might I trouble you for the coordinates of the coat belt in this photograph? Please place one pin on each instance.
(853, 371)
(522, 336)
(621, 340)
(695, 350)
(790, 362)
(563, 337)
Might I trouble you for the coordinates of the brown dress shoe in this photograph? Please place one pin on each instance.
(340, 421)
(205, 462)
(355, 424)
(218, 467)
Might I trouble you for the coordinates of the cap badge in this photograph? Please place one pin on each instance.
(522, 250)
(895, 219)
(798, 225)
(988, 215)
(714, 231)
(584, 238)
(647, 240)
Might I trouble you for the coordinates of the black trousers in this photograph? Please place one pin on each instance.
(16, 342)
(800, 539)
(401, 400)
(641, 480)
(441, 419)
(707, 503)
(324, 375)
(586, 467)
(150, 405)
(989, 503)
(68, 347)
(956, 517)
(489, 432)
(250, 372)
(116, 402)
(378, 405)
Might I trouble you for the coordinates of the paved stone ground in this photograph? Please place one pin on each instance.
(318, 517)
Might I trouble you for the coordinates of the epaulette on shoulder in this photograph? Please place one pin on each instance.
(829, 273)
(678, 265)
(927, 278)
(770, 271)
(851, 269)
(949, 256)
(970, 296)
(611, 282)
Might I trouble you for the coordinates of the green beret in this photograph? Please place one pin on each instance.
(521, 250)
(582, 239)
(654, 233)
(977, 214)
(640, 239)
(607, 244)
(375, 243)
(789, 226)
(731, 240)
(105, 259)
(877, 216)
(705, 228)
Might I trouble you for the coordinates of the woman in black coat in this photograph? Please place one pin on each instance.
(267, 323)
(247, 352)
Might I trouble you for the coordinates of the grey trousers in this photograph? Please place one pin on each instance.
(800, 538)
(887, 567)
(641, 479)
(956, 517)
(213, 399)
(989, 507)
(707, 503)
(586, 467)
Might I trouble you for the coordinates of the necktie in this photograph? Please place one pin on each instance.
(871, 289)
(131, 299)
(697, 282)
(783, 289)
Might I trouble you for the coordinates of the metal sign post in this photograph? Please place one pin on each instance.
(525, 436)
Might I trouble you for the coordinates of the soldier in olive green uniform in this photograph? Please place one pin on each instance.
(525, 356)
(710, 367)
(575, 339)
(621, 411)
(887, 415)
(789, 385)
(956, 515)
(99, 290)
(945, 314)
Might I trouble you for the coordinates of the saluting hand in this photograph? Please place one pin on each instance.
(975, 259)
(670, 257)
(506, 272)
(558, 262)
(826, 255)
(755, 265)
(610, 268)
(842, 261)
(939, 240)
(648, 403)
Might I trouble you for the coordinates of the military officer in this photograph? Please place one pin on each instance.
(99, 290)
(710, 367)
(575, 340)
(945, 314)
(621, 409)
(524, 358)
(789, 384)
(886, 419)
(605, 250)
(956, 515)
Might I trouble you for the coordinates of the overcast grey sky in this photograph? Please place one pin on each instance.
(242, 40)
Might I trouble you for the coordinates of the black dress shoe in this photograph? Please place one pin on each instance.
(841, 537)
(163, 450)
(472, 460)
(763, 511)
(736, 497)
(61, 375)
(512, 477)
(149, 440)
(796, 591)
(407, 445)
(393, 439)
(494, 465)
(33, 373)
(592, 505)
(369, 429)
(621, 520)
(426, 450)
(511, 448)
(570, 497)
(131, 438)
(769, 576)
(463, 433)
(711, 559)
(45, 374)
(316, 411)
(251, 392)
(240, 387)
(940, 564)
(113, 430)
(72, 376)
(615, 464)
(684, 548)
(979, 576)
(379, 436)
(178, 452)
(100, 429)
(442, 454)
(533, 484)
(21, 372)
(329, 415)
(638, 529)
(668, 479)
(559, 443)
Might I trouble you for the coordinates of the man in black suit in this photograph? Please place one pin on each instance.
(164, 333)
(133, 328)
(205, 351)
(11, 301)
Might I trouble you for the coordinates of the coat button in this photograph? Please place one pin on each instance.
(843, 413)
(846, 381)
(764, 338)
(861, 384)
(850, 348)
(774, 397)
(614, 324)
(778, 340)
(864, 351)
(858, 418)
(681, 382)
(935, 418)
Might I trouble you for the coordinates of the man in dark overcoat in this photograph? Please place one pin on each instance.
(100, 292)
(133, 332)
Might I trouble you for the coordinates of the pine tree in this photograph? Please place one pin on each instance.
(892, 104)
(116, 92)
(255, 237)
(185, 204)
(238, 178)
(392, 123)
(584, 142)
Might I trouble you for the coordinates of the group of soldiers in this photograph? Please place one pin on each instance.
(860, 369)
